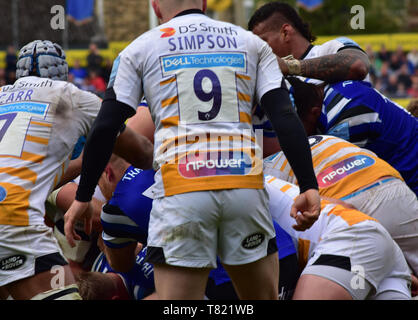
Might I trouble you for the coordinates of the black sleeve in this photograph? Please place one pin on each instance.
(100, 142)
(292, 136)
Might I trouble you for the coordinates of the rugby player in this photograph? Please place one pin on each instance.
(358, 177)
(125, 219)
(354, 111)
(43, 117)
(345, 255)
(291, 40)
(194, 91)
(288, 35)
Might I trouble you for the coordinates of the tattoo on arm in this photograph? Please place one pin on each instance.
(348, 64)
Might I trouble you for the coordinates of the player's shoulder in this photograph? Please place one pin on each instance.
(335, 45)
(140, 44)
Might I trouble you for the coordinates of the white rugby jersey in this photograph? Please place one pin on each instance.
(201, 78)
(339, 166)
(332, 218)
(261, 120)
(41, 121)
(329, 47)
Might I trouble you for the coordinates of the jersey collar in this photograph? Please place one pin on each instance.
(190, 11)
(306, 52)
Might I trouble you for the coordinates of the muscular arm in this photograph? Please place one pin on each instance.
(348, 64)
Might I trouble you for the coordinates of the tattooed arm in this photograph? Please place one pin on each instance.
(348, 64)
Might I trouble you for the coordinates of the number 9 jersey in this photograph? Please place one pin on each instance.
(201, 78)
(40, 123)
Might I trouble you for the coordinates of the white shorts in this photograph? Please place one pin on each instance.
(26, 251)
(360, 258)
(191, 229)
(395, 206)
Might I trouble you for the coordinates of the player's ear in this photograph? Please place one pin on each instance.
(204, 5)
(109, 173)
(156, 7)
(286, 31)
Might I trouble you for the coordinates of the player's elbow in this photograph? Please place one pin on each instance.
(359, 70)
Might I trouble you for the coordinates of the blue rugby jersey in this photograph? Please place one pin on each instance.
(125, 217)
(354, 111)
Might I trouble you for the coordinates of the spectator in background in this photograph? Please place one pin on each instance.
(97, 82)
(413, 91)
(392, 86)
(87, 86)
(78, 72)
(94, 59)
(107, 70)
(396, 61)
(3, 81)
(11, 77)
(401, 91)
(383, 54)
(384, 76)
(404, 76)
(11, 59)
(413, 58)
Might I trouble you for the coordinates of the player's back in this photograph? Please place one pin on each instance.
(354, 111)
(201, 78)
(42, 120)
(339, 166)
(333, 217)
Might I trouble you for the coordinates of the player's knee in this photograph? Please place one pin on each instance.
(63, 293)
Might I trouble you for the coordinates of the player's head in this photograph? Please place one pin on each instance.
(101, 286)
(279, 24)
(167, 9)
(308, 99)
(42, 58)
(413, 107)
(112, 174)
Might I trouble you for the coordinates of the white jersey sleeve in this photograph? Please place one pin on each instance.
(85, 104)
(125, 79)
(267, 67)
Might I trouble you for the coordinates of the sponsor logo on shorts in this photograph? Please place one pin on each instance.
(253, 241)
(12, 262)
(343, 169)
(314, 140)
(3, 193)
(167, 32)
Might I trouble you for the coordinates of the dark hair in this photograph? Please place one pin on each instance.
(305, 95)
(287, 12)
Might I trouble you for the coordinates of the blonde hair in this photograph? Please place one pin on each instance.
(413, 107)
(95, 286)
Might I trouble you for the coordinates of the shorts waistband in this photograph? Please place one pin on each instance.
(369, 187)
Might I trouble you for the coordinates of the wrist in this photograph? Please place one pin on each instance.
(294, 66)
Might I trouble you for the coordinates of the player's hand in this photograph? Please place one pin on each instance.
(78, 211)
(283, 66)
(306, 209)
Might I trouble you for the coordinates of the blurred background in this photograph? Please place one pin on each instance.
(93, 32)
